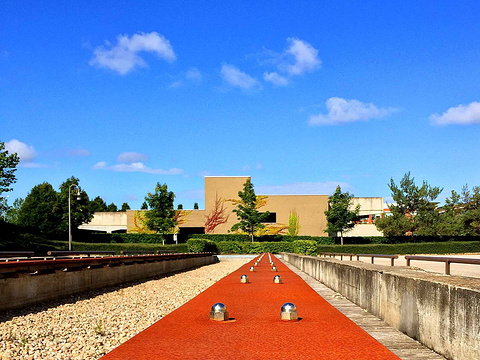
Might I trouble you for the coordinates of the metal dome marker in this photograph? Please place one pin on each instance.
(274, 268)
(244, 279)
(277, 279)
(288, 312)
(219, 312)
(252, 268)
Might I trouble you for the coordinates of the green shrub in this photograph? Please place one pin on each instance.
(305, 247)
(201, 245)
(78, 246)
(263, 238)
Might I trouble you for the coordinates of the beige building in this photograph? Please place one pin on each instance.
(310, 210)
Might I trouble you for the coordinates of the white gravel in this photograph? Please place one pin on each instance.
(90, 325)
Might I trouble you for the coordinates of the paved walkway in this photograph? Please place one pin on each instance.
(254, 330)
(400, 344)
(437, 267)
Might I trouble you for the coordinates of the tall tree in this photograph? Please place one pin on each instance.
(180, 207)
(195, 206)
(340, 216)
(14, 211)
(250, 219)
(161, 216)
(8, 166)
(293, 223)
(98, 205)
(39, 210)
(470, 216)
(125, 207)
(79, 205)
(112, 208)
(414, 209)
(144, 206)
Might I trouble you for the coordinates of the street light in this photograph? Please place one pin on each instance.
(70, 215)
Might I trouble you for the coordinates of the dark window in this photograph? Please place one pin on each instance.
(272, 218)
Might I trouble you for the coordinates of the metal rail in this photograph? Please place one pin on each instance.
(372, 256)
(86, 252)
(446, 260)
(338, 254)
(34, 267)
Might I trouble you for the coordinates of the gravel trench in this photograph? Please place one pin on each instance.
(88, 326)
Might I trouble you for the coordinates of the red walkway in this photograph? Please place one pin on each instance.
(256, 331)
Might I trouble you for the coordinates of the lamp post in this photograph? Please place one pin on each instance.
(70, 213)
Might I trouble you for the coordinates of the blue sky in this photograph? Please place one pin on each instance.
(300, 96)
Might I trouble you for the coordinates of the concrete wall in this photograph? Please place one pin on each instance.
(106, 221)
(28, 289)
(441, 312)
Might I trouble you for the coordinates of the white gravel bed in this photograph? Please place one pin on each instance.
(89, 326)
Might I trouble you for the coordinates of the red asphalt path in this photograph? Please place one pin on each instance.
(255, 330)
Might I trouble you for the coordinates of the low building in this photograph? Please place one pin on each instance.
(310, 210)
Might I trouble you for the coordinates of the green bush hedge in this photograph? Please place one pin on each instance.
(264, 238)
(305, 247)
(79, 246)
(201, 245)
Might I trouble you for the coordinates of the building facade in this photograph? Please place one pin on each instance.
(310, 210)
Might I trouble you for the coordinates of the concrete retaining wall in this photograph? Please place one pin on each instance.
(28, 289)
(441, 312)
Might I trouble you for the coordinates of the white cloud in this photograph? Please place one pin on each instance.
(132, 162)
(305, 57)
(78, 152)
(176, 84)
(141, 167)
(100, 165)
(193, 74)
(302, 188)
(459, 115)
(275, 78)
(123, 57)
(131, 157)
(235, 77)
(341, 111)
(131, 197)
(26, 153)
(245, 168)
(259, 166)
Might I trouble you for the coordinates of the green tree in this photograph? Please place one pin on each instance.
(98, 205)
(112, 207)
(125, 207)
(180, 207)
(14, 210)
(450, 222)
(79, 205)
(144, 206)
(414, 209)
(470, 205)
(39, 210)
(293, 223)
(161, 216)
(8, 166)
(340, 216)
(195, 206)
(250, 219)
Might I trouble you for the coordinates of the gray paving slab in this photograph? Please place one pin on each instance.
(400, 344)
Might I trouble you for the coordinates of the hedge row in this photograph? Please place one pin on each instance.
(263, 238)
(307, 247)
(79, 246)
(325, 240)
(451, 247)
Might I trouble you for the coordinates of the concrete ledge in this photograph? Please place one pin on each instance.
(441, 312)
(18, 292)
